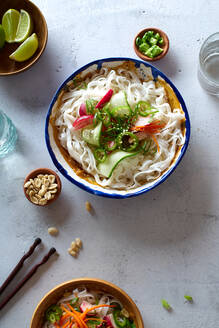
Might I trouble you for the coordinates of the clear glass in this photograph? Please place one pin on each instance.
(208, 70)
(8, 135)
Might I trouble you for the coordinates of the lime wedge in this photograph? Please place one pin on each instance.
(26, 49)
(2, 37)
(9, 23)
(25, 27)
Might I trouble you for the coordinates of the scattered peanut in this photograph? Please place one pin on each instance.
(53, 231)
(75, 247)
(41, 189)
(88, 206)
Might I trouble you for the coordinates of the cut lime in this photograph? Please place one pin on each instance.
(9, 23)
(26, 49)
(2, 37)
(25, 27)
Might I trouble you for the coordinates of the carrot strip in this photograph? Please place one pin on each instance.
(156, 142)
(83, 315)
(57, 326)
(66, 324)
(63, 317)
(75, 316)
(77, 313)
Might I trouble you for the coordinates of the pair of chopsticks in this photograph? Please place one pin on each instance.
(28, 275)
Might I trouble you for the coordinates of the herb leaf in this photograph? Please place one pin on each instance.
(188, 298)
(166, 305)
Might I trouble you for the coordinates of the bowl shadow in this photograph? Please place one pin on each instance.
(172, 212)
(34, 88)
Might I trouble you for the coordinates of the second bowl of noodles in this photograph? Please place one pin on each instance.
(117, 127)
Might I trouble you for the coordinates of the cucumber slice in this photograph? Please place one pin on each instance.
(119, 99)
(92, 135)
(121, 111)
(107, 167)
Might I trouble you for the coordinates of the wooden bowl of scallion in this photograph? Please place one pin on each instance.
(151, 44)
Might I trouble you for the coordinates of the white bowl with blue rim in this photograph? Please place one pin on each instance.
(69, 173)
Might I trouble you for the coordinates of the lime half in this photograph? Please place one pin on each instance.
(10, 23)
(26, 49)
(2, 37)
(25, 27)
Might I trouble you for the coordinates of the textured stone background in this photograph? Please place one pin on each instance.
(159, 245)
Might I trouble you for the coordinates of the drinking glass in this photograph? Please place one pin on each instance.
(208, 70)
(8, 134)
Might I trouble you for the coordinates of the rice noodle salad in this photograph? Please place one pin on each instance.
(120, 128)
(87, 309)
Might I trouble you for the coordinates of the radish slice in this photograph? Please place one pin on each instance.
(83, 121)
(85, 306)
(105, 99)
(82, 110)
(110, 321)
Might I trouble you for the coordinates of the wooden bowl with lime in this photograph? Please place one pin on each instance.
(23, 35)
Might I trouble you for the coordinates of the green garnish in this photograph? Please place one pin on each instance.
(144, 108)
(100, 155)
(74, 301)
(53, 313)
(90, 106)
(127, 141)
(153, 51)
(166, 305)
(148, 44)
(188, 298)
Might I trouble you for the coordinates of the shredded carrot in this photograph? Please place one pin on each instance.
(151, 128)
(93, 308)
(63, 317)
(66, 324)
(77, 313)
(57, 326)
(156, 142)
(75, 316)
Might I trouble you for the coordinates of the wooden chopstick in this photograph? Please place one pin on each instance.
(19, 265)
(27, 277)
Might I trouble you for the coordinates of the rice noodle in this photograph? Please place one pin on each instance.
(131, 172)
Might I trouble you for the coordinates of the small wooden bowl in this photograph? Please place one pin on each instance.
(7, 65)
(33, 174)
(165, 46)
(54, 295)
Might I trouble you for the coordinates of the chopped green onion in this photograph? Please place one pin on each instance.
(53, 313)
(161, 41)
(157, 36)
(153, 41)
(166, 305)
(127, 141)
(147, 36)
(83, 86)
(189, 298)
(100, 155)
(154, 51)
(144, 47)
(138, 41)
(144, 108)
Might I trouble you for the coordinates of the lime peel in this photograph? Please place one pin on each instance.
(2, 37)
(10, 21)
(26, 49)
(25, 27)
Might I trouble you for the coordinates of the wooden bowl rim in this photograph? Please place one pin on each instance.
(86, 280)
(45, 39)
(43, 170)
(165, 46)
